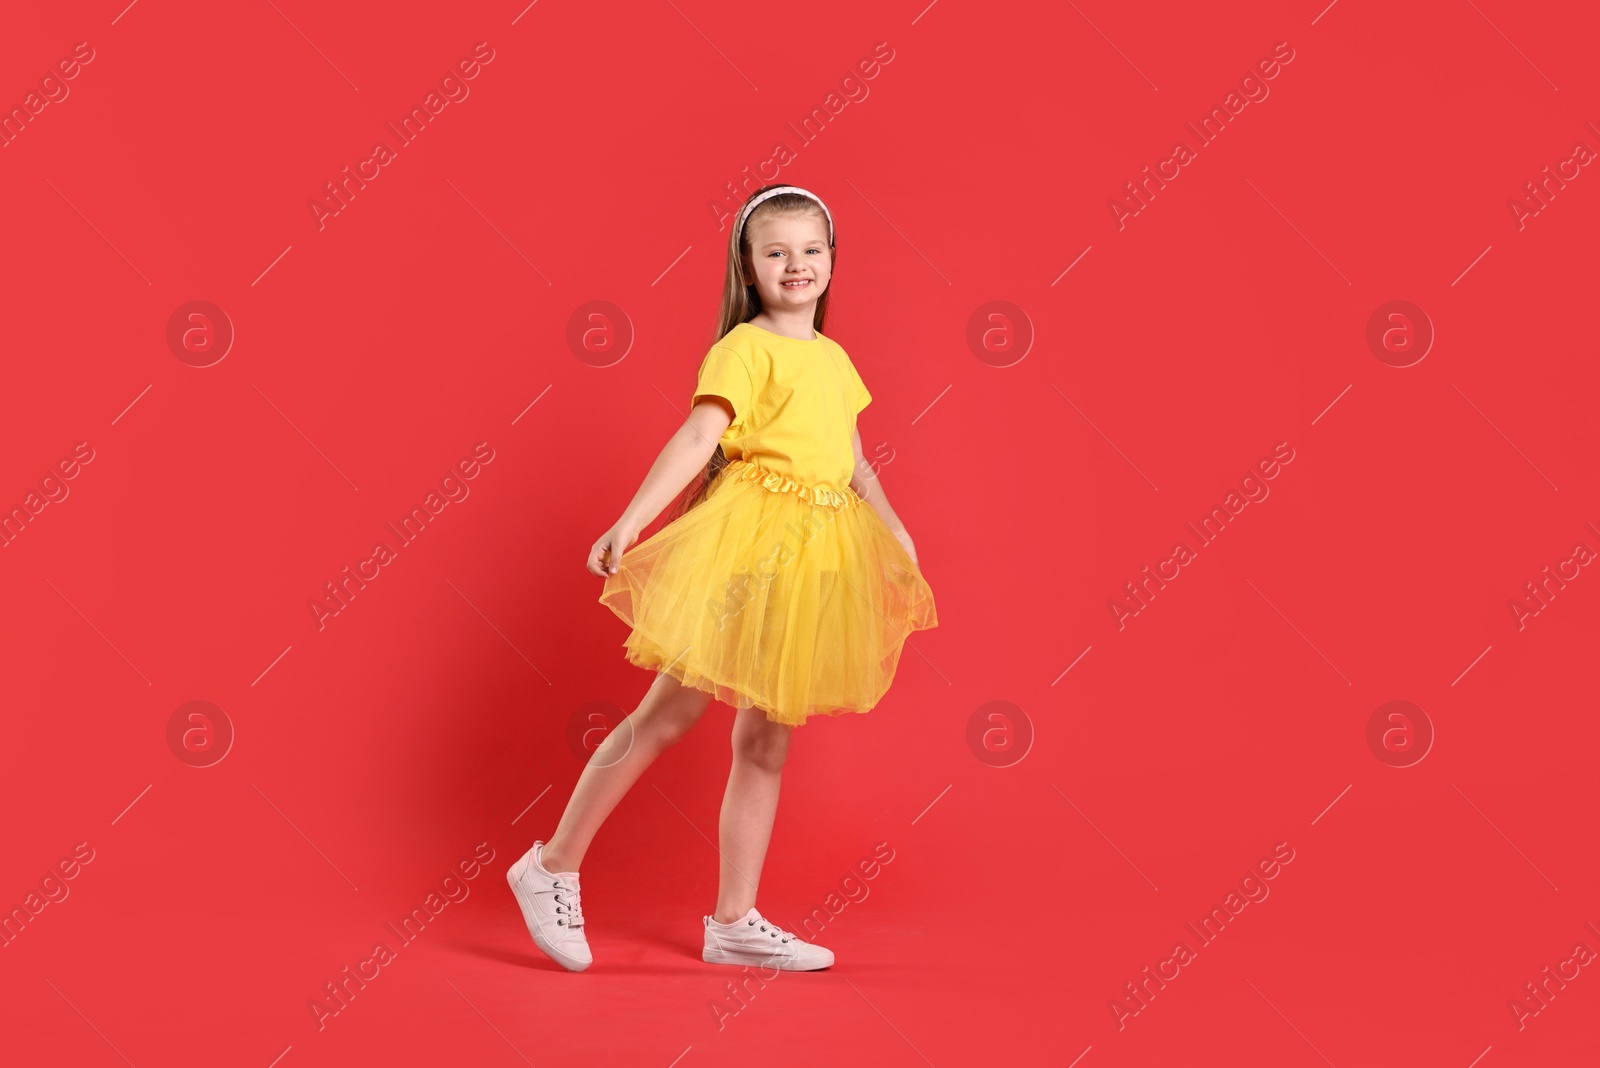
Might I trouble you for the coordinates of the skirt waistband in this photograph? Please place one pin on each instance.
(825, 496)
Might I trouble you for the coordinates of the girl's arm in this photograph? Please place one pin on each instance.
(869, 485)
(684, 456)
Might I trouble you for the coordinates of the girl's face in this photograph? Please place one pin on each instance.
(790, 262)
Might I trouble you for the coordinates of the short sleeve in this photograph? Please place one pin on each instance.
(725, 373)
(860, 396)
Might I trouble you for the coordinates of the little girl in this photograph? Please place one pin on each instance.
(771, 588)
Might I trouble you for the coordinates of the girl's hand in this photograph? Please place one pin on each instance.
(607, 552)
(905, 540)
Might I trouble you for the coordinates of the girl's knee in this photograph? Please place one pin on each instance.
(759, 741)
(671, 721)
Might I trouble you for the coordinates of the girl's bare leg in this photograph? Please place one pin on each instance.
(748, 808)
(666, 714)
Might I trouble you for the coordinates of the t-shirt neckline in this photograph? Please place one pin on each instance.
(786, 337)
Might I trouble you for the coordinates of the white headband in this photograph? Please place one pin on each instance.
(738, 233)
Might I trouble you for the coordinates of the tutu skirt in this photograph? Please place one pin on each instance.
(773, 594)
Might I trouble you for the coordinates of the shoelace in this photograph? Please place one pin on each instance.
(774, 930)
(572, 907)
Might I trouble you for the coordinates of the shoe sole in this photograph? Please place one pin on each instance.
(761, 960)
(513, 878)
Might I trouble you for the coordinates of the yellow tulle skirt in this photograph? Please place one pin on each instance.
(772, 594)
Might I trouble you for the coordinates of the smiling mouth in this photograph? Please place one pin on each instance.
(797, 284)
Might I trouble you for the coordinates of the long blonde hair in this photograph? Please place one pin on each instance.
(741, 302)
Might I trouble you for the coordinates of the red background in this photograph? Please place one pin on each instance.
(1231, 313)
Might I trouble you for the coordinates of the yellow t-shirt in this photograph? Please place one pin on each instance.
(794, 403)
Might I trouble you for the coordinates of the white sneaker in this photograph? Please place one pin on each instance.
(551, 909)
(753, 939)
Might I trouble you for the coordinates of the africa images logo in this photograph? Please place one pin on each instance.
(453, 86)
